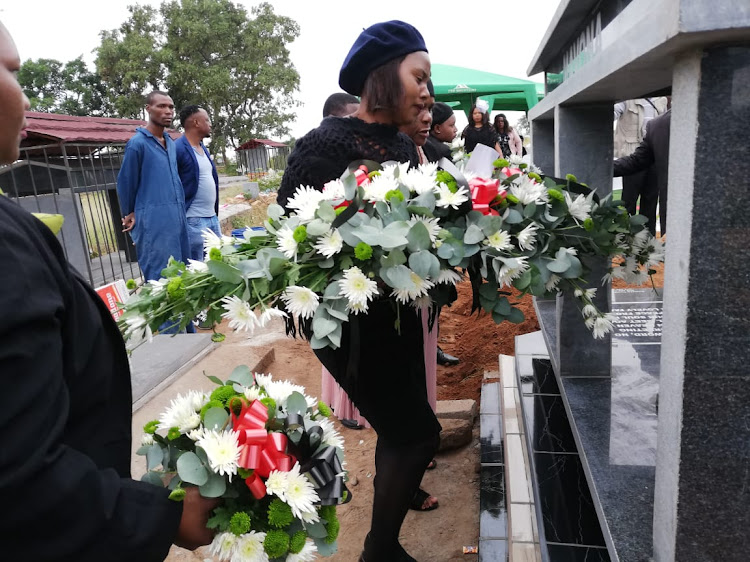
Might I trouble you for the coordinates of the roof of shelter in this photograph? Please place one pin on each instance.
(255, 143)
(43, 128)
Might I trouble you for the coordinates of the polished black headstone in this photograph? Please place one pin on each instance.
(493, 514)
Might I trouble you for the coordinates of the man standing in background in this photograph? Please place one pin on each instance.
(150, 192)
(198, 177)
(631, 117)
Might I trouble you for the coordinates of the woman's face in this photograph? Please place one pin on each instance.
(446, 131)
(420, 129)
(476, 116)
(500, 123)
(414, 72)
(13, 102)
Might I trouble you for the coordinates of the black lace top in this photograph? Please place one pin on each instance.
(324, 153)
(472, 136)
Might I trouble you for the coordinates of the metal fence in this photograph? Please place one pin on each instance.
(78, 181)
(256, 162)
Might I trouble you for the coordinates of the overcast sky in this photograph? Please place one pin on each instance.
(500, 36)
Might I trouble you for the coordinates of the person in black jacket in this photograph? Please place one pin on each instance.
(65, 408)
(442, 130)
(653, 150)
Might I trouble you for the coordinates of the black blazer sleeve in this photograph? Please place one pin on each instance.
(65, 416)
(641, 158)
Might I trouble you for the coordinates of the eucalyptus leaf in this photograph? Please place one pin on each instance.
(398, 277)
(575, 269)
(335, 337)
(318, 343)
(142, 450)
(191, 469)
(215, 418)
(274, 211)
(418, 237)
(424, 264)
(242, 375)
(216, 380)
(446, 252)
(224, 272)
(325, 548)
(296, 403)
(490, 224)
(318, 227)
(322, 326)
(202, 455)
(516, 316)
(327, 263)
(529, 210)
(326, 213)
(316, 530)
(394, 258)
(473, 235)
(426, 200)
(154, 456)
(153, 478)
(514, 217)
(502, 306)
(214, 487)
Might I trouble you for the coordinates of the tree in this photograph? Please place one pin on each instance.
(69, 88)
(523, 127)
(211, 53)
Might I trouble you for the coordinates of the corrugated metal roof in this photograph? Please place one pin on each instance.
(52, 127)
(255, 143)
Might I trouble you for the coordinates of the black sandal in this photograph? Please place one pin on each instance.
(417, 503)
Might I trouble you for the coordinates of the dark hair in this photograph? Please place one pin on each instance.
(336, 104)
(150, 97)
(485, 117)
(187, 112)
(507, 128)
(383, 88)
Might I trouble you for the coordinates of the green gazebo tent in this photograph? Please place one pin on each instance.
(460, 87)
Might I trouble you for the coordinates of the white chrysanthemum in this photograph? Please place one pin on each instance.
(196, 266)
(334, 189)
(449, 277)
(158, 286)
(527, 237)
(241, 316)
(641, 239)
(457, 142)
(636, 276)
(251, 393)
(515, 160)
(580, 207)
(262, 380)
(528, 191)
(399, 170)
(182, 412)
(330, 243)
(357, 307)
(281, 390)
(424, 302)
(432, 225)
(137, 328)
(458, 155)
(196, 434)
(589, 310)
(419, 288)
(446, 198)
(330, 435)
(420, 180)
(300, 493)
(223, 451)
(376, 189)
(602, 326)
(656, 251)
(305, 202)
(590, 293)
(269, 314)
(276, 484)
(552, 282)
(500, 240)
(308, 553)
(356, 287)
(570, 251)
(249, 548)
(300, 301)
(286, 243)
(511, 269)
(223, 545)
(147, 439)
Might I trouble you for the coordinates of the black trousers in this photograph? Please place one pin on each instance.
(642, 185)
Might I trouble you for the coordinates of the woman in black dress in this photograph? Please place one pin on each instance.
(381, 369)
(479, 130)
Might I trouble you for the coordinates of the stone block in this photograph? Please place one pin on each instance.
(457, 409)
(456, 433)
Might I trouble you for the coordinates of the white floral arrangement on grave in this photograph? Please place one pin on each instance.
(268, 451)
(407, 235)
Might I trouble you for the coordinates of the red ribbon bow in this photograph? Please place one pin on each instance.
(483, 193)
(260, 451)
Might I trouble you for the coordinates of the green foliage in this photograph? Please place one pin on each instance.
(212, 52)
(240, 522)
(297, 543)
(151, 427)
(324, 409)
(223, 393)
(300, 234)
(221, 518)
(279, 514)
(208, 405)
(363, 251)
(176, 288)
(276, 543)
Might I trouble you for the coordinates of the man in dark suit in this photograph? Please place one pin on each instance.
(65, 405)
(653, 150)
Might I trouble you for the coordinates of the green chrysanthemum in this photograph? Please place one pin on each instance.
(571, 177)
(214, 254)
(324, 409)
(588, 224)
(270, 404)
(512, 198)
(279, 514)
(208, 405)
(332, 528)
(173, 433)
(239, 524)
(223, 393)
(235, 404)
(363, 251)
(151, 427)
(276, 544)
(217, 337)
(535, 176)
(298, 542)
(176, 288)
(394, 195)
(501, 163)
(131, 284)
(300, 234)
(444, 177)
(178, 494)
(556, 194)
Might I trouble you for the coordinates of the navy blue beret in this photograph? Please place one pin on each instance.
(374, 47)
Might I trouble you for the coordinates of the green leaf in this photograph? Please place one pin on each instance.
(523, 281)
(153, 478)
(201, 455)
(502, 306)
(473, 235)
(327, 263)
(214, 487)
(575, 270)
(190, 468)
(490, 224)
(326, 213)
(142, 450)
(215, 418)
(220, 519)
(296, 403)
(515, 316)
(394, 258)
(424, 264)
(216, 380)
(242, 375)
(529, 210)
(318, 227)
(274, 211)
(558, 265)
(398, 277)
(154, 456)
(316, 530)
(322, 326)
(638, 220)
(514, 217)
(325, 548)
(224, 272)
(418, 237)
